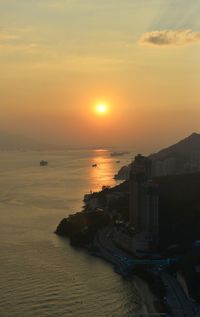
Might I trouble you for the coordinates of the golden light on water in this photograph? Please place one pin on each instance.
(102, 173)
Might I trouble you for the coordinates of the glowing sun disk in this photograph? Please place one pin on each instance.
(101, 108)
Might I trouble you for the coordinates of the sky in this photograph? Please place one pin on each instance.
(59, 58)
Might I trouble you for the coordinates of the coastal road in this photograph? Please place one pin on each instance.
(177, 300)
(111, 253)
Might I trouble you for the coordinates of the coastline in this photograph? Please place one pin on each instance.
(150, 302)
(103, 247)
(148, 299)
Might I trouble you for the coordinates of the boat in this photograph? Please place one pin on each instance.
(43, 163)
(118, 153)
(94, 165)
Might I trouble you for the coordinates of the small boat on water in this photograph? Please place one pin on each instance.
(94, 165)
(118, 153)
(43, 163)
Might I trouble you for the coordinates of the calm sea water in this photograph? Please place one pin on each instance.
(41, 274)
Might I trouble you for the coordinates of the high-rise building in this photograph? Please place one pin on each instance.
(195, 161)
(165, 167)
(143, 203)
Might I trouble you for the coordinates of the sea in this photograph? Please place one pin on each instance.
(41, 275)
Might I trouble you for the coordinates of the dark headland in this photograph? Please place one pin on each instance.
(168, 257)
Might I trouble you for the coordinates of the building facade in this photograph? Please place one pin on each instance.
(143, 212)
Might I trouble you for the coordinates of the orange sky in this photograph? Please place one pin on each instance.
(58, 58)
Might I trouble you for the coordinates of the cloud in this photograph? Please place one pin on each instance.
(8, 37)
(17, 47)
(170, 37)
(79, 64)
(12, 42)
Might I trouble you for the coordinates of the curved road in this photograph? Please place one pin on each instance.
(176, 298)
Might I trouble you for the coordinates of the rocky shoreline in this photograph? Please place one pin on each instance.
(81, 227)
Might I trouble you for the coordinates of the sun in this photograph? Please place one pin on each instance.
(101, 108)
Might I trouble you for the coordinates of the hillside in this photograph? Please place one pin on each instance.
(178, 158)
(182, 149)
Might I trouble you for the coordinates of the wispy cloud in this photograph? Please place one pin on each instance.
(170, 37)
(5, 36)
(10, 47)
(80, 64)
(14, 41)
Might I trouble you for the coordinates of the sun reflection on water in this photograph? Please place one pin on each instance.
(102, 170)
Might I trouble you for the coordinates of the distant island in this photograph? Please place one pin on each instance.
(119, 153)
(149, 224)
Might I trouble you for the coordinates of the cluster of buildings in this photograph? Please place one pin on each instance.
(141, 234)
(194, 164)
(175, 165)
(165, 167)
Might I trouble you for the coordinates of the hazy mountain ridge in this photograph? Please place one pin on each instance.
(182, 148)
(175, 158)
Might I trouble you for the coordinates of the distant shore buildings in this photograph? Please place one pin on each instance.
(165, 167)
(182, 157)
(172, 165)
